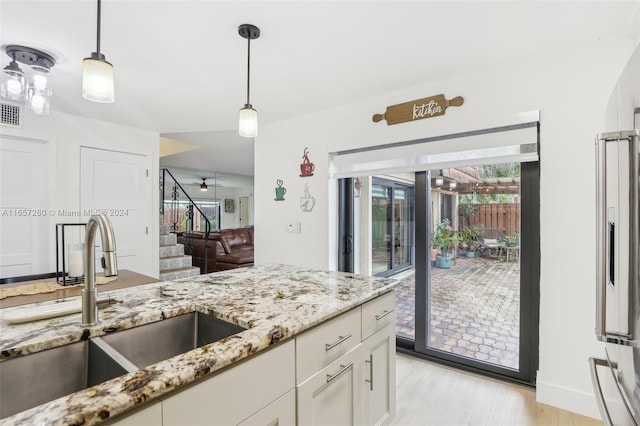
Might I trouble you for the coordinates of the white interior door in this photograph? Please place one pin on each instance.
(244, 211)
(118, 184)
(24, 235)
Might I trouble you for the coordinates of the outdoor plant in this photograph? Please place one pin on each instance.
(470, 236)
(511, 240)
(444, 238)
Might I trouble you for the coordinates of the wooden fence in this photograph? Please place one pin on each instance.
(503, 217)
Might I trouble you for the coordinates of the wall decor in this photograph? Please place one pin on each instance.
(307, 167)
(280, 190)
(307, 202)
(229, 205)
(432, 106)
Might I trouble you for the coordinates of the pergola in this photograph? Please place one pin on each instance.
(466, 180)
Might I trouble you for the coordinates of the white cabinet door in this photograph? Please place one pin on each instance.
(149, 415)
(333, 396)
(380, 377)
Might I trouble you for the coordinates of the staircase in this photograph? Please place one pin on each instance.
(174, 263)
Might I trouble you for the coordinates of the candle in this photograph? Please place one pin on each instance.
(76, 266)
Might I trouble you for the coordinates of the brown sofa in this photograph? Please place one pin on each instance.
(226, 249)
(234, 248)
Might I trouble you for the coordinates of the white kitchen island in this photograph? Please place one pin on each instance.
(319, 348)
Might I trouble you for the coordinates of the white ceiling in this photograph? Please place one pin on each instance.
(180, 66)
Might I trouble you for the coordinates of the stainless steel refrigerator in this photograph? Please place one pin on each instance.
(616, 375)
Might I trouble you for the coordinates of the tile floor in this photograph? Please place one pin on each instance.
(475, 309)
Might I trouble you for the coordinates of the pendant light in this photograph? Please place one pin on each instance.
(203, 185)
(248, 117)
(97, 74)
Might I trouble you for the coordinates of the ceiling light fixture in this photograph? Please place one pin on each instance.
(439, 181)
(97, 74)
(248, 117)
(453, 185)
(34, 86)
(203, 185)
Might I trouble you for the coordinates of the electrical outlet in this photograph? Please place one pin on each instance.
(293, 228)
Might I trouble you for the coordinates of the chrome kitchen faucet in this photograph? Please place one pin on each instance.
(109, 263)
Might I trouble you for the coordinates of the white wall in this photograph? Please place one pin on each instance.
(625, 97)
(68, 133)
(570, 90)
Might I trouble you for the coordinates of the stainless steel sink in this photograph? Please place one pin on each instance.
(30, 380)
(34, 379)
(154, 342)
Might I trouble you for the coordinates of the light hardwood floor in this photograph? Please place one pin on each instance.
(431, 394)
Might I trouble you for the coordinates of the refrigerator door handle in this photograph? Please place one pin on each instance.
(605, 238)
(601, 240)
(595, 379)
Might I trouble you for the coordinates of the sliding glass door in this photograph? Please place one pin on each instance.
(479, 310)
(391, 226)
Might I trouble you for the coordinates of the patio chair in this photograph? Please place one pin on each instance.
(489, 245)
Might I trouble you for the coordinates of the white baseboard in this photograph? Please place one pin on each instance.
(567, 399)
(580, 402)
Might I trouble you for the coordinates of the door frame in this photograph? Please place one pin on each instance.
(529, 284)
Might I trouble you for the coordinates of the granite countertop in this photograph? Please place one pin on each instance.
(274, 303)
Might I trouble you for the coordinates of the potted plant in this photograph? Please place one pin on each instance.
(445, 240)
(470, 237)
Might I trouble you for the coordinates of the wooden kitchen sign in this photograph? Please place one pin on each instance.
(418, 109)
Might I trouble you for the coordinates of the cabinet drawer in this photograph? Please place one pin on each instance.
(378, 313)
(281, 412)
(325, 343)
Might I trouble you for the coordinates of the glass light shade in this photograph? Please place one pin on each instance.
(203, 187)
(97, 79)
(248, 122)
(13, 86)
(40, 81)
(38, 101)
(439, 181)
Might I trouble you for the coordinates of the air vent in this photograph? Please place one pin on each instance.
(11, 115)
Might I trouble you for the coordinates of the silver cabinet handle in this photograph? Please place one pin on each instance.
(384, 314)
(602, 406)
(370, 362)
(341, 339)
(343, 368)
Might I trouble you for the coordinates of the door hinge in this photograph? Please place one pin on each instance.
(146, 230)
(147, 172)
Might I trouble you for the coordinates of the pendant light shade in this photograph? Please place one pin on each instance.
(97, 74)
(97, 79)
(248, 122)
(248, 117)
(203, 185)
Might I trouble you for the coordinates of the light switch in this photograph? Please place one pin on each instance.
(294, 227)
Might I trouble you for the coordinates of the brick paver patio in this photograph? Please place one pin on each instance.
(475, 310)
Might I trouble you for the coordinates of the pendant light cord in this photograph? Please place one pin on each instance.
(98, 44)
(248, 63)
